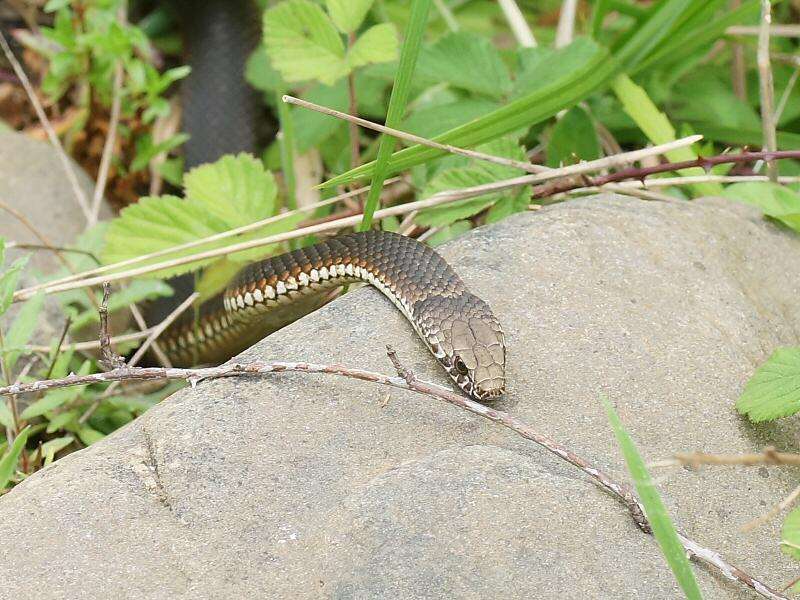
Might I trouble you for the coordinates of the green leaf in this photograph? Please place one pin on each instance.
(89, 436)
(136, 291)
(790, 534)
(8, 463)
(397, 103)
(259, 72)
(376, 45)
(775, 200)
(573, 138)
(58, 397)
(649, 34)
(23, 327)
(347, 15)
(467, 61)
(663, 529)
(158, 223)
(430, 121)
(61, 420)
(235, 189)
(147, 151)
(302, 42)
(774, 389)
(566, 89)
(8, 282)
(51, 447)
(6, 418)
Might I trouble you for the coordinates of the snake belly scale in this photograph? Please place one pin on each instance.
(458, 327)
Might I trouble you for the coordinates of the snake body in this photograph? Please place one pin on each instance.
(457, 326)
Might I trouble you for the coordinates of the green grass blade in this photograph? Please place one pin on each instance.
(397, 104)
(679, 47)
(9, 461)
(563, 92)
(656, 126)
(663, 529)
(649, 34)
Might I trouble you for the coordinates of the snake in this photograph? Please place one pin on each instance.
(458, 328)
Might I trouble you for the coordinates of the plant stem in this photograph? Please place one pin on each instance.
(397, 103)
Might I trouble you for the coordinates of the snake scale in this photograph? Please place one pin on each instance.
(458, 327)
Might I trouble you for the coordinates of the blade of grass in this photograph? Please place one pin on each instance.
(397, 104)
(524, 112)
(663, 529)
(656, 126)
(11, 458)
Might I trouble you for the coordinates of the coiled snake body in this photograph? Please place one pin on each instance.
(457, 326)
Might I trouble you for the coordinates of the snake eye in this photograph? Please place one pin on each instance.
(460, 366)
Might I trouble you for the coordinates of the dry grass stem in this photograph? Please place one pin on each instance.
(410, 137)
(519, 26)
(774, 30)
(93, 344)
(565, 30)
(108, 146)
(774, 511)
(435, 200)
(161, 356)
(447, 15)
(212, 238)
(785, 96)
(766, 88)
(80, 197)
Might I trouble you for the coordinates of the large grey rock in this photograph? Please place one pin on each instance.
(33, 181)
(303, 486)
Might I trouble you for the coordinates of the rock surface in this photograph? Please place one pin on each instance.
(303, 486)
(32, 181)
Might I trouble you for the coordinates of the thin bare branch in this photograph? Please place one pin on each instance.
(410, 137)
(519, 26)
(738, 65)
(80, 196)
(92, 345)
(109, 359)
(141, 351)
(766, 87)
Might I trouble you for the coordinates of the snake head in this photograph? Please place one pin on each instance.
(478, 363)
(469, 343)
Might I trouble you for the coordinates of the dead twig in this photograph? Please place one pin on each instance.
(109, 359)
(140, 352)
